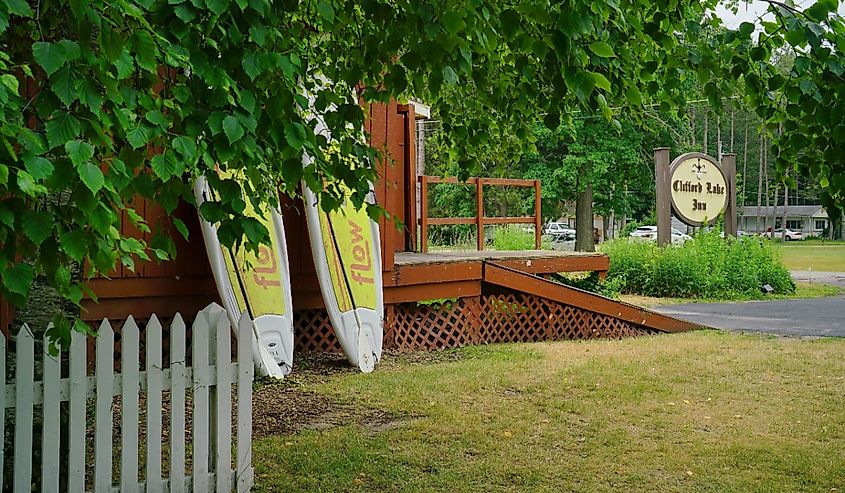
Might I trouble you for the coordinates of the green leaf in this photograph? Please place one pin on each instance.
(37, 166)
(10, 82)
(37, 225)
(48, 55)
(251, 66)
(453, 22)
(186, 147)
(258, 34)
(18, 279)
(111, 42)
(601, 81)
(65, 85)
(180, 227)
(449, 75)
(91, 176)
(602, 49)
(217, 6)
(61, 128)
(185, 13)
(79, 152)
(51, 56)
(163, 166)
(7, 217)
(137, 137)
(124, 64)
(326, 11)
(74, 243)
(634, 96)
(157, 118)
(795, 37)
(295, 135)
(4, 174)
(29, 186)
(91, 97)
(145, 51)
(255, 231)
(19, 8)
(233, 129)
(511, 22)
(745, 29)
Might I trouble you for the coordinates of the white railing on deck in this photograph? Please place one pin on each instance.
(209, 382)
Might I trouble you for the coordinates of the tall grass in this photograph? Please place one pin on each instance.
(514, 237)
(705, 267)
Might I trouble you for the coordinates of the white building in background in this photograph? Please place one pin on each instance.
(808, 219)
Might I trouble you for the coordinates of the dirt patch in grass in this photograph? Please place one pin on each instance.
(290, 406)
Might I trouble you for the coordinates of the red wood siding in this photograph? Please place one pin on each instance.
(186, 284)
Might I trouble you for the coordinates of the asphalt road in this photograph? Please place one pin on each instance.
(805, 317)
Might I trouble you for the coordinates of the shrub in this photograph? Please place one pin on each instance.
(705, 267)
(610, 288)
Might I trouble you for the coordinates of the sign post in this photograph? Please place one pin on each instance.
(664, 200)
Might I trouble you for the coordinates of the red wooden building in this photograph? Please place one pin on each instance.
(493, 296)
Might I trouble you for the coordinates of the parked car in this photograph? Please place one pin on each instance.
(650, 233)
(645, 232)
(778, 233)
(555, 228)
(739, 234)
(566, 235)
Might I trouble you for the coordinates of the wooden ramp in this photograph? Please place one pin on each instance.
(522, 282)
(443, 300)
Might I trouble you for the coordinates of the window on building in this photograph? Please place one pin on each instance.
(794, 224)
(820, 224)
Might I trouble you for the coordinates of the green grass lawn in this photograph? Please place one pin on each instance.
(696, 412)
(814, 255)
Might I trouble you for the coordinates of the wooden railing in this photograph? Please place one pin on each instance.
(480, 220)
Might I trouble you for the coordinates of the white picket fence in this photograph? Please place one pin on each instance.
(208, 381)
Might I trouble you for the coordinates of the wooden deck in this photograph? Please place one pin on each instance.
(435, 275)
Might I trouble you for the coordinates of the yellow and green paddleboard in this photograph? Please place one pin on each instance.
(258, 284)
(347, 255)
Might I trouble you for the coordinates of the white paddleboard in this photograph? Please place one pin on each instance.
(256, 284)
(346, 248)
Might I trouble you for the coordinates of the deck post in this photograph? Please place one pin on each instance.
(663, 197)
(538, 220)
(479, 211)
(423, 214)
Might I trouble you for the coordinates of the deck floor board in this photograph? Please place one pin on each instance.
(444, 257)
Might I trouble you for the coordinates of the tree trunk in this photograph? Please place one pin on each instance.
(745, 166)
(692, 124)
(769, 211)
(785, 205)
(775, 214)
(584, 219)
(732, 131)
(719, 139)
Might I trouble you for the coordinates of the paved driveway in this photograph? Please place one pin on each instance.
(806, 317)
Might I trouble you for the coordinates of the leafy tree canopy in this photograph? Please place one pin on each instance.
(140, 97)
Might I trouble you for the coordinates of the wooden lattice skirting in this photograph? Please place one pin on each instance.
(490, 318)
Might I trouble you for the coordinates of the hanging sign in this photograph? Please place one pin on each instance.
(698, 188)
